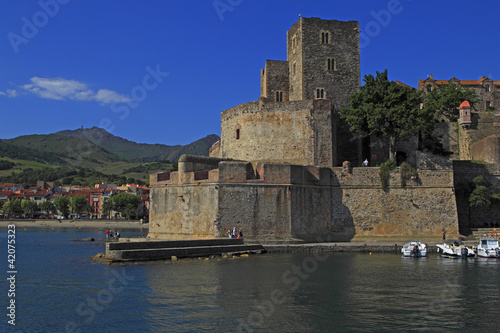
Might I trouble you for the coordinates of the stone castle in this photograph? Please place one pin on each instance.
(295, 119)
(278, 172)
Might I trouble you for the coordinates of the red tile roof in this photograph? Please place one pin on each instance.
(465, 104)
(403, 84)
(462, 82)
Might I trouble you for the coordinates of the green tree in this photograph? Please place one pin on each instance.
(126, 204)
(444, 100)
(48, 207)
(1, 204)
(107, 207)
(79, 204)
(88, 209)
(6, 165)
(13, 207)
(481, 193)
(387, 108)
(62, 205)
(30, 207)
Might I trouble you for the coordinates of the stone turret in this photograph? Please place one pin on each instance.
(465, 119)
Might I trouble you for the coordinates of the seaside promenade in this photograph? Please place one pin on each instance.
(89, 224)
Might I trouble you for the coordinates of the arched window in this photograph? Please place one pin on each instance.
(332, 64)
(325, 37)
(320, 93)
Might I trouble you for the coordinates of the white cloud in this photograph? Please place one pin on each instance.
(9, 93)
(61, 89)
(109, 96)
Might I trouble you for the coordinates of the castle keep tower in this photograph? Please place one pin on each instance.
(295, 119)
(323, 63)
(323, 60)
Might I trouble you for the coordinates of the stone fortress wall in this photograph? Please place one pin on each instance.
(286, 202)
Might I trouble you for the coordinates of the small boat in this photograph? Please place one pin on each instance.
(488, 248)
(415, 249)
(455, 250)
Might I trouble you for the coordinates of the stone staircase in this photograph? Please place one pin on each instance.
(478, 233)
(158, 250)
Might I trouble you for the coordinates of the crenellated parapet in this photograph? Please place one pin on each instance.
(199, 170)
(205, 170)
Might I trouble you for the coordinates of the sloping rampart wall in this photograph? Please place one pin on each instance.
(281, 202)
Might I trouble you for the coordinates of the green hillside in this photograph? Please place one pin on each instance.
(14, 151)
(87, 157)
(71, 148)
(140, 152)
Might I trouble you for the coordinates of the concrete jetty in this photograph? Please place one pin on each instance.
(158, 250)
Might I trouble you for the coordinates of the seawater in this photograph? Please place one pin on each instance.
(60, 289)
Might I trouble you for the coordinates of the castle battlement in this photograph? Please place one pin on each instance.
(264, 105)
(204, 171)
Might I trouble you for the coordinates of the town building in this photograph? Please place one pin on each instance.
(96, 196)
(487, 90)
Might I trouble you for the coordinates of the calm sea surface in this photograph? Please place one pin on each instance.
(60, 289)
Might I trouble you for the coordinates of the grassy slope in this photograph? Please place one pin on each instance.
(71, 148)
(129, 150)
(23, 164)
(76, 152)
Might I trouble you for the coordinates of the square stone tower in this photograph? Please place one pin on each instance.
(296, 118)
(323, 60)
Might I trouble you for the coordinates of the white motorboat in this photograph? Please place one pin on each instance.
(454, 250)
(415, 249)
(488, 248)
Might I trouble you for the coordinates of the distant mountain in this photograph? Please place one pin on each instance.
(140, 152)
(87, 157)
(68, 148)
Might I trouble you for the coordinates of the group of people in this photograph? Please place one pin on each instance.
(495, 234)
(234, 233)
(112, 234)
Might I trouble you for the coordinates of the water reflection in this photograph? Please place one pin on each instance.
(346, 292)
(298, 292)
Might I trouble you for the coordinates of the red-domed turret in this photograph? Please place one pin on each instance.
(465, 119)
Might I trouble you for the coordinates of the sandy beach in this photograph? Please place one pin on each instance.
(94, 224)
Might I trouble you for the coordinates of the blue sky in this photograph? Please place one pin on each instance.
(162, 71)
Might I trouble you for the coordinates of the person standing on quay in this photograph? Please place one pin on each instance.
(107, 233)
(443, 234)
